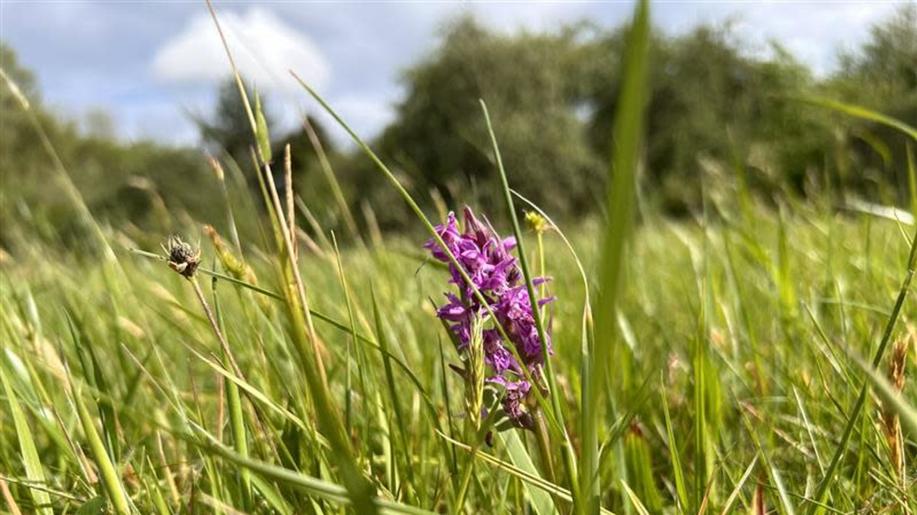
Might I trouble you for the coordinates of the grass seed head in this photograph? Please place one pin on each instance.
(890, 422)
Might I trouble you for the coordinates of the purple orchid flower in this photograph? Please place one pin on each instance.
(488, 261)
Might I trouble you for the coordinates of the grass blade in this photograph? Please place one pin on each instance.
(821, 492)
(542, 503)
(628, 134)
(30, 460)
(638, 505)
(862, 113)
(314, 486)
(568, 451)
(110, 479)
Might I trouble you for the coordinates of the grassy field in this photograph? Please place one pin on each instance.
(730, 385)
(751, 358)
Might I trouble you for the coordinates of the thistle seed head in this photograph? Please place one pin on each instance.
(181, 256)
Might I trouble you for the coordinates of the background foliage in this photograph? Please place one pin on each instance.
(715, 107)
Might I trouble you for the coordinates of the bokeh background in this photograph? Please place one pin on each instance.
(135, 96)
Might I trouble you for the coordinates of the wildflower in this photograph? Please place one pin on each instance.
(492, 269)
(537, 222)
(514, 401)
(182, 257)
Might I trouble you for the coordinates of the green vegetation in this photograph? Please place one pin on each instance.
(713, 106)
(779, 381)
(750, 356)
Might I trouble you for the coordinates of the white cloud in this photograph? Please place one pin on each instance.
(264, 46)
(367, 114)
(813, 32)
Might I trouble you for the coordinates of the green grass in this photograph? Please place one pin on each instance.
(786, 383)
(704, 365)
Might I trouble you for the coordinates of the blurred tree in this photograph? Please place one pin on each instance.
(141, 187)
(228, 130)
(882, 75)
(17, 141)
(310, 183)
(715, 108)
(97, 123)
(439, 139)
(710, 100)
(888, 59)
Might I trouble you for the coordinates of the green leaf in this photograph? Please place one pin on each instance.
(862, 113)
(541, 501)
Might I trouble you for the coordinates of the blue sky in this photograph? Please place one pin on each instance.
(149, 63)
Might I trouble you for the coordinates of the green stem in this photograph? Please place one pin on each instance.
(554, 391)
(236, 420)
(544, 446)
(110, 479)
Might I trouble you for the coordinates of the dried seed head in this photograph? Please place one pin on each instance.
(890, 422)
(182, 257)
(898, 362)
(216, 167)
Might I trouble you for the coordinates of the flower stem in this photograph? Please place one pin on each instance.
(235, 402)
(544, 445)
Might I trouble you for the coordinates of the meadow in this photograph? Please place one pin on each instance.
(749, 358)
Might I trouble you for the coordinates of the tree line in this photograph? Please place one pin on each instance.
(716, 110)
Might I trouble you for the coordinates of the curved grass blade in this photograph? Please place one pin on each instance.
(862, 113)
(542, 503)
(638, 505)
(681, 488)
(110, 479)
(392, 388)
(524, 475)
(568, 450)
(738, 488)
(316, 487)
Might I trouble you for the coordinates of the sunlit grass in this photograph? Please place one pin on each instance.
(716, 365)
(159, 391)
